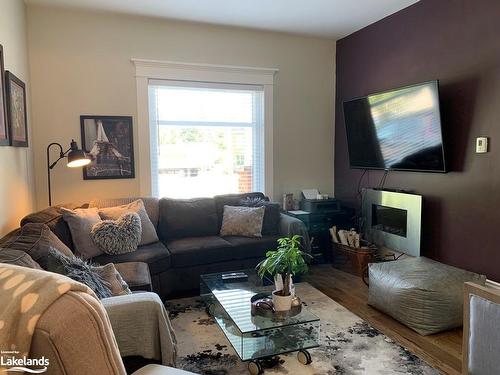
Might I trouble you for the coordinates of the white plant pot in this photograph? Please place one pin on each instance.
(282, 303)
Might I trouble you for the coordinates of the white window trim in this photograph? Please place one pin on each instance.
(146, 70)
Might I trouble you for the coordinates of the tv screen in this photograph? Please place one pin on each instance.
(396, 130)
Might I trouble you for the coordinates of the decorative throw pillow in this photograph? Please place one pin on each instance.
(79, 270)
(117, 285)
(118, 236)
(36, 239)
(18, 258)
(271, 224)
(232, 200)
(148, 234)
(80, 222)
(242, 221)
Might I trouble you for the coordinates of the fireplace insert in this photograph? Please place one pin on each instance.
(392, 220)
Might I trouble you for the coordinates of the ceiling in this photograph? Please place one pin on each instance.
(325, 18)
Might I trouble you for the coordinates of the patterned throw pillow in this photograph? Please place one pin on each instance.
(118, 236)
(242, 221)
(117, 285)
(272, 215)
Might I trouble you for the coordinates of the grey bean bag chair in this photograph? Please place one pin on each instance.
(423, 294)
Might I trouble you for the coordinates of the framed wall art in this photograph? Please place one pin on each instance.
(109, 141)
(4, 130)
(15, 93)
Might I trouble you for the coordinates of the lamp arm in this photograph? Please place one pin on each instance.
(62, 154)
(50, 166)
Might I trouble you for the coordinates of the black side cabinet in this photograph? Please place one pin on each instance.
(318, 225)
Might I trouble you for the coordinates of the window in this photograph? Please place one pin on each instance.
(206, 138)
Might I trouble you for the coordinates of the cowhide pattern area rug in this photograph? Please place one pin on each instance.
(349, 345)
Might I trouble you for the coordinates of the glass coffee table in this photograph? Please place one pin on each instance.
(257, 338)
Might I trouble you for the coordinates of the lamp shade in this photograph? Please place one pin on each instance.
(77, 157)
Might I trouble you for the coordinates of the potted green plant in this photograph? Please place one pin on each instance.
(283, 263)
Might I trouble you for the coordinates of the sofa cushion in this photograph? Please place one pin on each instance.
(192, 251)
(135, 274)
(155, 255)
(9, 236)
(150, 204)
(232, 200)
(52, 217)
(180, 218)
(36, 240)
(18, 258)
(246, 247)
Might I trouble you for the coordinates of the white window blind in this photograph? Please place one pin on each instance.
(206, 138)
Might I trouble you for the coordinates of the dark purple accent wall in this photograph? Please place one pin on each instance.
(458, 43)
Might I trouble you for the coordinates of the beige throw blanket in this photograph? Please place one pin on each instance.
(25, 294)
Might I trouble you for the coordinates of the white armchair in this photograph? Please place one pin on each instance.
(481, 340)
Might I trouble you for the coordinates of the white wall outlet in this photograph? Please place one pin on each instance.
(481, 145)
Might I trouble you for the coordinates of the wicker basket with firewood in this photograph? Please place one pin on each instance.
(358, 252)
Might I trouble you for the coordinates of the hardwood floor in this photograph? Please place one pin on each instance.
(442, 351)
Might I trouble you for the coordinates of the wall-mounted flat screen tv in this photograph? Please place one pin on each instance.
(396, 130)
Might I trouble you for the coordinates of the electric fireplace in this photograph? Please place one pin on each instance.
(392, 220)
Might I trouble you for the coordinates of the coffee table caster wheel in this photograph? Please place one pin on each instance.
(209, 309)
(304, 357)
(255, 368)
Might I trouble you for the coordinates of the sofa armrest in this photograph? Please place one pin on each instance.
(76, 321)
(290, 226)
(142, 327)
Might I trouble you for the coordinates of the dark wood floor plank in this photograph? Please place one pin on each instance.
(442, 351)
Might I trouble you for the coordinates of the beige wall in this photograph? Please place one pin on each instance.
(16, 173)
(80, 64)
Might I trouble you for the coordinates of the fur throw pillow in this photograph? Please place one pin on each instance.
(148, 229)
(118, 236)
(79, 270)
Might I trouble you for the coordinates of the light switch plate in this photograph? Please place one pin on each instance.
(481, 145)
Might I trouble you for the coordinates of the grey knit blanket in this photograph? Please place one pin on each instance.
(142, 327)
(290, 226)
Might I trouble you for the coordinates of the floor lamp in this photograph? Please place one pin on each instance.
(76, 158)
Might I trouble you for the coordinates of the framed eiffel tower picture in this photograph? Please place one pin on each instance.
(109, 141)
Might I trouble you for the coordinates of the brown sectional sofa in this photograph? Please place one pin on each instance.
(189, 244)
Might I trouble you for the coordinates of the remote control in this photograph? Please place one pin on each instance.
(234, 277)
